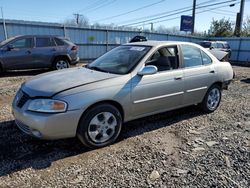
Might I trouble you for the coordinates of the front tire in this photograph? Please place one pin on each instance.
(100, 126)
(212, 99)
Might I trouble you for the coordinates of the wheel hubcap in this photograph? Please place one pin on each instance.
(213, 99)
(102, 127)
(61, 64)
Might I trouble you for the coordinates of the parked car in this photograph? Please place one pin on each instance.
(218, 45)
(138, 38)
(37, 51)
(129, 82)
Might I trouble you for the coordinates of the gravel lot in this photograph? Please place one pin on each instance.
(182, 148)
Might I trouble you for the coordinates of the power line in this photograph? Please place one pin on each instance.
(178, 17)
(179, 12)
(101, 6)
(131, 11)
(167, 12)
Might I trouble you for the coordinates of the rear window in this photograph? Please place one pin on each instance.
(226, 45)
(43, 42)
(59, 42)
(205, 44)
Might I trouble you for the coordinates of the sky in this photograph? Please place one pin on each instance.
(122, 12)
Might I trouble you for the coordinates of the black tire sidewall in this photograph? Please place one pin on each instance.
(82, 131)
(204, 102)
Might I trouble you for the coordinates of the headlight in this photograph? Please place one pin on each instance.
(47, 105)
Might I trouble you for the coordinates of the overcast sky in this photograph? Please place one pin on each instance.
(122, 12)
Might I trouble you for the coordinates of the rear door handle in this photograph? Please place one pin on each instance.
(212, 71)
(178, 78)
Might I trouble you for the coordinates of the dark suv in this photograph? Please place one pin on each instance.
(219, 45)
(33, 52)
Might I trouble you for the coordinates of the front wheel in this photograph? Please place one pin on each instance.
(100, 126)
(212, 99)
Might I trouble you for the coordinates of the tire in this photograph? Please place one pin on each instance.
(212, 99)
(100, 126)
(60, 63)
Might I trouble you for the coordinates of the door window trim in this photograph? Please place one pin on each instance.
(178, 55)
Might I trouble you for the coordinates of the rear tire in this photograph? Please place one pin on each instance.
(212, 99)
(60, 63)
(100, 126)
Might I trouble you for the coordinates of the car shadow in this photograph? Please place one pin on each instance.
(247, 80)
(32, 72)
(19, 151)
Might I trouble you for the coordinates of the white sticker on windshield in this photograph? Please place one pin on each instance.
(136, 48)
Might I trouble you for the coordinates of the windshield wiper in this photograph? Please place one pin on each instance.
(96, 68)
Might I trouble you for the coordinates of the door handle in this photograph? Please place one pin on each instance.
(28, 52)
(178, 78)
(212, 71)
(53, 50)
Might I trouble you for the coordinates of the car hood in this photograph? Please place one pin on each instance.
(50, 84)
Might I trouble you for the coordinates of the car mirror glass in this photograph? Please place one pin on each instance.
(148, 70)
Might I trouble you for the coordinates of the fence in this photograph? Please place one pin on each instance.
(95, 42)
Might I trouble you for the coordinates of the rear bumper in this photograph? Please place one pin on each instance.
(75, 61)
(225, 84)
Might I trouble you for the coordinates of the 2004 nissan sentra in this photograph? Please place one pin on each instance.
(129, 82)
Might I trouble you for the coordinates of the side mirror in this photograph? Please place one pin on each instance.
(10, 47)
(148, 70)
(211, 48)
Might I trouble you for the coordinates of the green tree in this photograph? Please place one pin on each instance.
(246, 27)
(221, 28)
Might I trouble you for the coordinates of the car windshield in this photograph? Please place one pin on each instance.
(120, 60)
(205, 44)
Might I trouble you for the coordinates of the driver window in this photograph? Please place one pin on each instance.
(22, 43)
(165, 59)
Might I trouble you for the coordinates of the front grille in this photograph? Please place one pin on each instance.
(23, 127)
(23, 98)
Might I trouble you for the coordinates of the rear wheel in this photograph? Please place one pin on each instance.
(212, 99)
(100, 126)
(60, 63)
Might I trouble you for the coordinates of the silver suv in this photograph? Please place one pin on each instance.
(33, 52)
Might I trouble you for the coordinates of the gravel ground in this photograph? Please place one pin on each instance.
(181, 148)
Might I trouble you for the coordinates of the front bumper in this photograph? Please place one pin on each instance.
(47, 126)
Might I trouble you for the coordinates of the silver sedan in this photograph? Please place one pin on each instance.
(129, 82)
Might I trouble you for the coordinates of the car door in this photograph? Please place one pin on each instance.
(18, 53)
(161, 91)
(44, 51)
(199, 73)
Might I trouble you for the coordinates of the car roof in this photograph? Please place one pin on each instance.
(153, 43)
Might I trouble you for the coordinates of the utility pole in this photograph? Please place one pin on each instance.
(239, 19)
(193, 16)
(4, 25)
(152, 27)
(77, 16)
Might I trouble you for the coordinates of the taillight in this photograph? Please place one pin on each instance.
(74, 48)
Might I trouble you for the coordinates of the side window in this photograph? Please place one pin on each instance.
(220, 45)
(43, 42)
(165, 59)
(214, 45)
(191, 56)
(205, 58)
(23, 43)
(59, 42)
